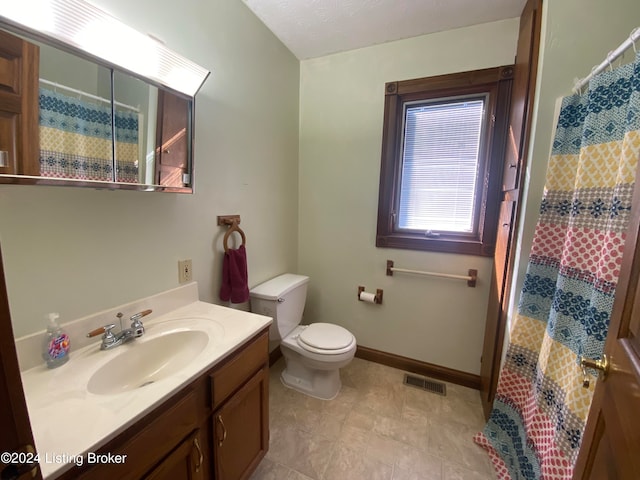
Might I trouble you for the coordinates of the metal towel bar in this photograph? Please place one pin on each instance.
(471, 277)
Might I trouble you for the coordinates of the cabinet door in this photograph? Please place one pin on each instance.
(496, 309)
(19, 146)
(241, 429)
(172, 151)
(186, 462)
(524, 84)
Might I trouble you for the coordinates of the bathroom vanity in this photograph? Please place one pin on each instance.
(188, 399)
(215, 427)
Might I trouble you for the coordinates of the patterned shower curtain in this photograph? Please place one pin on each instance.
(540, 409)
(127, 146)
(75, 140)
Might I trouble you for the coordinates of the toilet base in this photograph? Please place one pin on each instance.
(322, 384)
(311, 373)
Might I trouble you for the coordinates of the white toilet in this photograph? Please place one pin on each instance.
(313, 353)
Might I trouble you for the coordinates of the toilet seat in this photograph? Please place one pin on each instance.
(326, 339)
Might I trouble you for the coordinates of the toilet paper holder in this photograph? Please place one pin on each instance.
(377, 299)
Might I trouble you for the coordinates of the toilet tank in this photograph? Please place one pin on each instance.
(281, 298)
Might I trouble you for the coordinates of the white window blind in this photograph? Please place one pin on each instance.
(440, 165)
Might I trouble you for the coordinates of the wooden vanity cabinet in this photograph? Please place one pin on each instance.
(186, 462)
(153, 443)
(241, 412)
(217, 427)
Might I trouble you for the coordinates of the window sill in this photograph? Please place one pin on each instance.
(441, 244)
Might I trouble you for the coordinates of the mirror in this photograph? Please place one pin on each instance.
(67, 120)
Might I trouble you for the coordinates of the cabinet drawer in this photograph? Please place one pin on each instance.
(151, 444)
(239, 368)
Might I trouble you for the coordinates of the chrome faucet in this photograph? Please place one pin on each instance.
(111, 340)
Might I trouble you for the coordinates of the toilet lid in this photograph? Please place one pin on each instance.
(325, 336)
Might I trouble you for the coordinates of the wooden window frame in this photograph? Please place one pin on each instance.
(496, 82)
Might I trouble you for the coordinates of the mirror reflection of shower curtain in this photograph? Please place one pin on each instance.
(76, 139)
(127, 148)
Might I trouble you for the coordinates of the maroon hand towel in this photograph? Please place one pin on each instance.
(235, 280)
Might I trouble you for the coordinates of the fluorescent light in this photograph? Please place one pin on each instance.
(143, 59)
(37, 14)
(87, 28)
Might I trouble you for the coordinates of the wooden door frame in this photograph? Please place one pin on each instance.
(499, 309)
(14, 416)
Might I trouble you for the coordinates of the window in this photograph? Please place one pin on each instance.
(442, 153)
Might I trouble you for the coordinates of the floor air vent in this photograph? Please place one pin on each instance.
(425, 384)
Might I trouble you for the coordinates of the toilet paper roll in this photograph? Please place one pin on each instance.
(367, 297)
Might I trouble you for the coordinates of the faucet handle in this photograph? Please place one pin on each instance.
(106, 329)
(136, 324)
(137, 316)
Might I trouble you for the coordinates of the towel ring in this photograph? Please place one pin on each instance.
(233, 228)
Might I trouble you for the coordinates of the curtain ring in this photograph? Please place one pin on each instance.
(609, 61)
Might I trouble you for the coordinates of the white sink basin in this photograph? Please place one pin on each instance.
(143, 363)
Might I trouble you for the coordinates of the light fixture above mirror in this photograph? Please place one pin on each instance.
(80, 25)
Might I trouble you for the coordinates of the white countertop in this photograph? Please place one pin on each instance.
(67, 420)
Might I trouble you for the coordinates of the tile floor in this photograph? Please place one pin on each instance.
(376, 429)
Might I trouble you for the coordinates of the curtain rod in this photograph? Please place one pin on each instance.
(88, 95)
(611, 57)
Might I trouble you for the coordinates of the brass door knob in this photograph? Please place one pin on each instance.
(19, 463)
(602, 366)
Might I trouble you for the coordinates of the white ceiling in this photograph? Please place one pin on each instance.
(313, 28)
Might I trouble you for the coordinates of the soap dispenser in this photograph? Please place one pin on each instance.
(55, 349)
